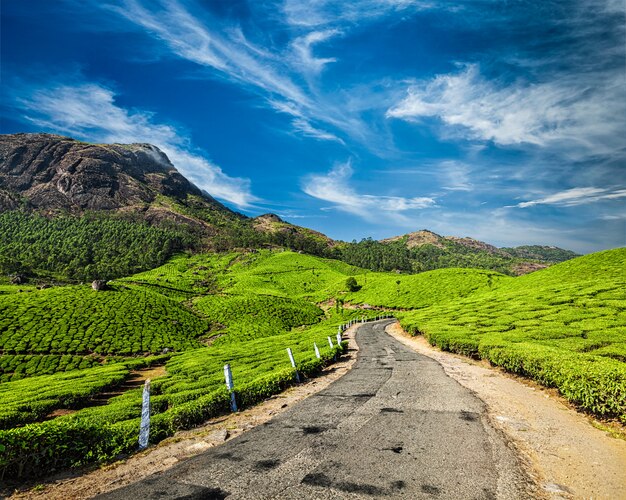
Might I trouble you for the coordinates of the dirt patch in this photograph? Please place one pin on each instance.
(59, 413)
(185, 444)
(135, 379)
(571, 457)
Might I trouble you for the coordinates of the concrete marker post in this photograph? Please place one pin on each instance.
(293, 363)
(144, 427)
(330, 343)
(338, 339)
(317, 351)
(228, 377)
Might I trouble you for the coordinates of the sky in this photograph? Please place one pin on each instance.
(500, 120)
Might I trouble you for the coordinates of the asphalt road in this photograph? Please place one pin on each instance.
(394, 426)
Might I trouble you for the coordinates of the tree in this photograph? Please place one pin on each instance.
(352, 285)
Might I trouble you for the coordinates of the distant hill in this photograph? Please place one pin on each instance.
(539, 252)
(426, 250)
(534, 252)
(79, 211)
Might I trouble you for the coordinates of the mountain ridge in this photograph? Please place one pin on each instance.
(58, 176)
(547, 253)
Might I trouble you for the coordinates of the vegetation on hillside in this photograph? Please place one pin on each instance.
(86, 248)
(541, 253)
(192, 391)
(564, 327)
(79, 320)
(98, 245)
(397, 256)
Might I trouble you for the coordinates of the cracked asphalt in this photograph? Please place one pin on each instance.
(394, 426)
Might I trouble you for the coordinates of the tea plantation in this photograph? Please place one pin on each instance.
(564, 326)
(78, 320)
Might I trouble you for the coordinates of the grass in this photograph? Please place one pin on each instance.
(31, 399)
(192, 391)
(422, 290)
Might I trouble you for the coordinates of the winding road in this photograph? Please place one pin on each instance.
(394, 426)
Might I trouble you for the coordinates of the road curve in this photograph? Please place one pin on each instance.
(394, 426)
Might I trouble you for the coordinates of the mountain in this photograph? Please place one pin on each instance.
(52, 174)
(273, 224)
(80, 211)
(540, 252)
(428, 250)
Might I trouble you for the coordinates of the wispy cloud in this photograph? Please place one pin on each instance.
(285, 77)
(590, 120)
(455, 175)
(335, 188)
(315, 13)
(576, 196)
(227, 50)
(305, 127)
(89, 111)
(303, 56)
(189, 38)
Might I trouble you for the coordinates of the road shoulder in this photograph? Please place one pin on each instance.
(570, 458)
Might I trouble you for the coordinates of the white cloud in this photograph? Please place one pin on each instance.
(455, 175)
(303, 51)
(305, 127)
(576, 196)
(88, 110)
(335, 187)
(583, 111)
(229, 52)
(284, 78)
(312, 13)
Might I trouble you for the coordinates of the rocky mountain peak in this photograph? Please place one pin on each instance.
(269, 218)
(54, 173)
(418, 238)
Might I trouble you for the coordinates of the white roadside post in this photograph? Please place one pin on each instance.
(338, 339)
(293, 363)
(144, 427)
(317, 351)
(228, 376)
(330, 343)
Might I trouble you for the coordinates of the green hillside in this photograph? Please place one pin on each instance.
(416, 291)
(79, 320)
(564, 327)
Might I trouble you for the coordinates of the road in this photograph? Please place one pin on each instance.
(394, 426)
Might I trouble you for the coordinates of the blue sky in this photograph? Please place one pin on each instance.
(500, 120)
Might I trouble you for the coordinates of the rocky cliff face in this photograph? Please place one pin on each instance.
(54, 173)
